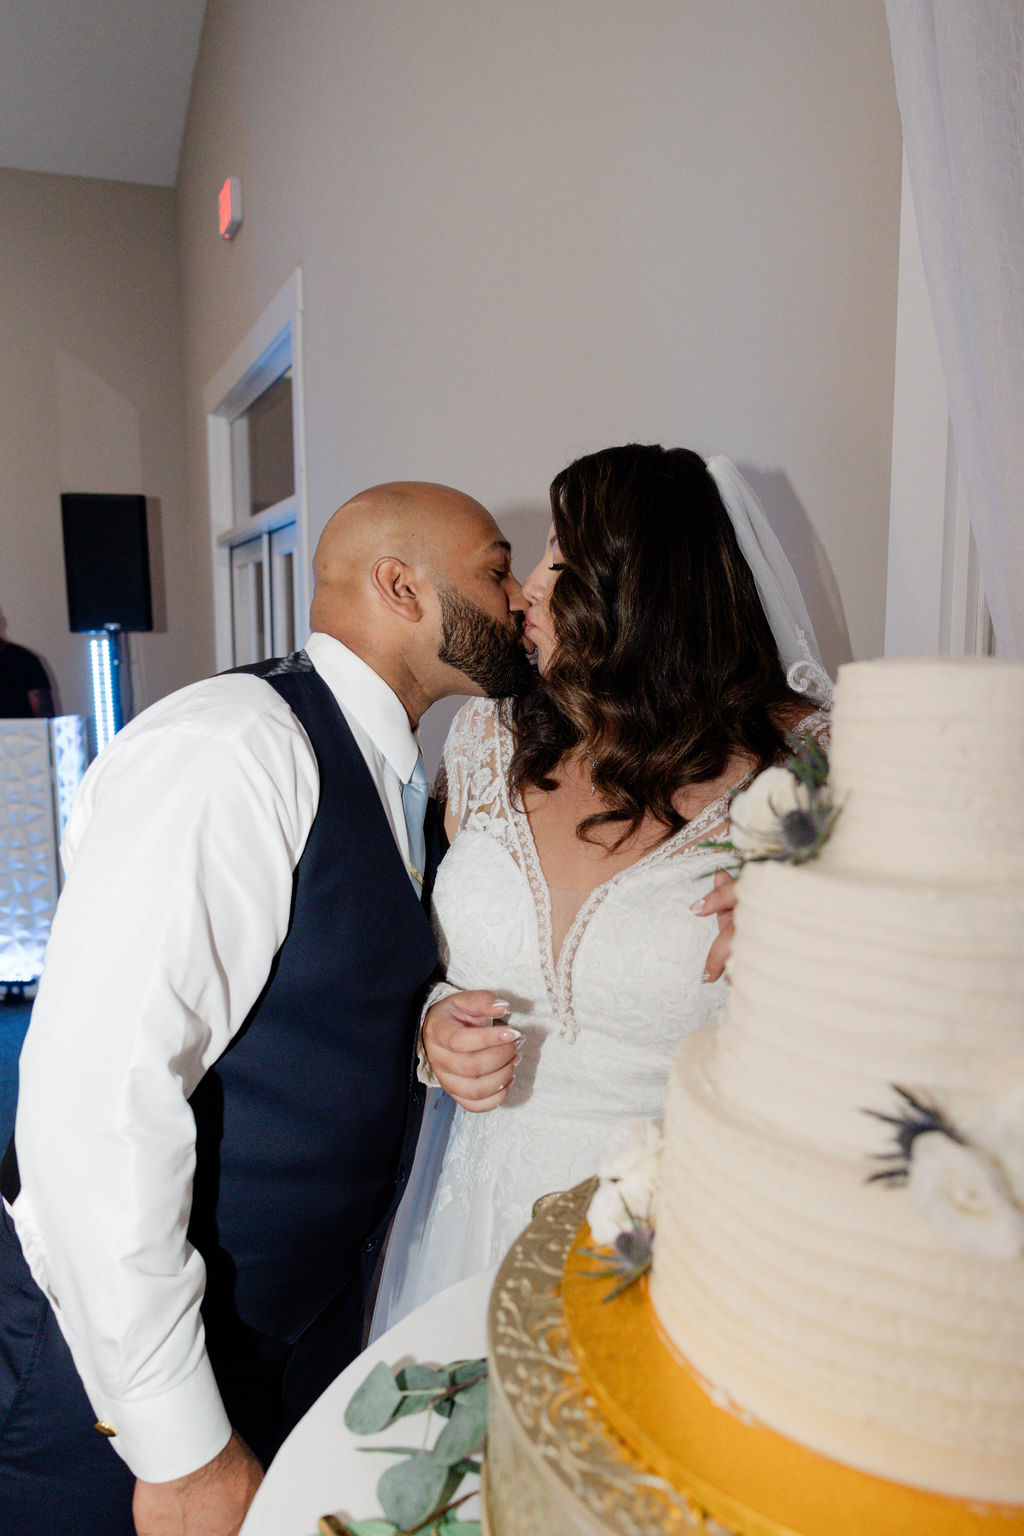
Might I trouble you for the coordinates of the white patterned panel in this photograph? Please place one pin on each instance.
(28, 848)
(69, 764)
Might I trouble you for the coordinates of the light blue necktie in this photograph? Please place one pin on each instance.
(414, 803)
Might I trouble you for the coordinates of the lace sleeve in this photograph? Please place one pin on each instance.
(470, 743)
(468, 765)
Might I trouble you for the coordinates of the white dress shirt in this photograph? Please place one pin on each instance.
(180, 852)
(377, 720)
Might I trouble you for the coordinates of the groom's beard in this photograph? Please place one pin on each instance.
(486, 651)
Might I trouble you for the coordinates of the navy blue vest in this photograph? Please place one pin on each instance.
(307, 1124)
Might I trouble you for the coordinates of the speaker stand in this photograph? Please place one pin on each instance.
(106, 654)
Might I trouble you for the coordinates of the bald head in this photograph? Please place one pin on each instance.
(413, 521)
(389, 568)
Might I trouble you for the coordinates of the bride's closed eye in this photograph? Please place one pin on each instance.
(558, 565)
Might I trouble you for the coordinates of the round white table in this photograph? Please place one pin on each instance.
(320, 1469)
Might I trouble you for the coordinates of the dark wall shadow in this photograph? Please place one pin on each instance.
(806, 553)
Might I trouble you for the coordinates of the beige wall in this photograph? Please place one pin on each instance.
(529, 229)
(90, 400)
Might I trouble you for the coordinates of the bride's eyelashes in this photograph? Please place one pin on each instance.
(559, 565)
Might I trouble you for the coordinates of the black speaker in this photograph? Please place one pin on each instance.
(106, 560)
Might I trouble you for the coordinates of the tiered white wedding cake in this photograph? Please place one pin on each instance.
(875, 1026)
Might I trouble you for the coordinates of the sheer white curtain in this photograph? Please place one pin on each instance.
(960, 81)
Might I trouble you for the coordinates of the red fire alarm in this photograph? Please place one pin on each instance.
(229, 203)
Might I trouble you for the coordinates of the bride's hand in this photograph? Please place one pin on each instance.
(720, 903)
(473, 1058)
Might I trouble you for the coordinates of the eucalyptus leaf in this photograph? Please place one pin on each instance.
(466, 1468)
(467, 1370)
(410, 1490)
(463, 1432)
(444, 1406)
(375, 1403)
(422, 1382)
(420, 1378)
(451, 1521)
(474, 1397)
(447, 1520)
(372, 1528)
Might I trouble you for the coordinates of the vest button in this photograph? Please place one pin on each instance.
(401, 1174)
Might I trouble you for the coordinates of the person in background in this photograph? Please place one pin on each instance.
(24, 686)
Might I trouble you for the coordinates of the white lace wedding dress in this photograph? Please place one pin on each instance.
(600, 1020)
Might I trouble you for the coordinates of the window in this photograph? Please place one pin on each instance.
(257, 488)
(263, 450)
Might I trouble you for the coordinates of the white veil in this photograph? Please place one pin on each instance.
(776, 583)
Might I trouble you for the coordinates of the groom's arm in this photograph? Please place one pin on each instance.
(209, 1502)
(182, 850)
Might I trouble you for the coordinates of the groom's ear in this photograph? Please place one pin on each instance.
(400, 587)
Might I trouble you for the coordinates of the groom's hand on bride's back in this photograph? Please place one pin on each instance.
(472, 1051)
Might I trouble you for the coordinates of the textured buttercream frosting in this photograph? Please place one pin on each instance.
(843, 985)
(829, 1307)
(926, 762)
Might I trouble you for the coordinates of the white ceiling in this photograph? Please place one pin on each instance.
(97, 87)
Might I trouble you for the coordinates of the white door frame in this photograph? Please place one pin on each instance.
(263, 354)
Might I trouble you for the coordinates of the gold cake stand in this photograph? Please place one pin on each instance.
(735, 1469)
(597, 1425)
(554, 1465)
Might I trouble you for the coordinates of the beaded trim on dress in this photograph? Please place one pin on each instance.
(477, 757)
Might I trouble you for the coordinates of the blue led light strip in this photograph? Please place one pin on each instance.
(104, 700)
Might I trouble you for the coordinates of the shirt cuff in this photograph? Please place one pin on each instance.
(172, 1435)
(424, 1071)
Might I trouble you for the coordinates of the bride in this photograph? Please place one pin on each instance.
(578, 887)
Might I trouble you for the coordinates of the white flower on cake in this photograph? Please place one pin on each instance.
(786, 812)
(629, 1175)
(964, 1197)
(758, 811)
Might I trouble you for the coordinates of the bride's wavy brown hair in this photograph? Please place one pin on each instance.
(665, 666)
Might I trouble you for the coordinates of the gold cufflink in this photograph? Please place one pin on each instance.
(103, 1428)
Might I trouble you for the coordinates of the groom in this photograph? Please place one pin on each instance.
(218, 1103)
